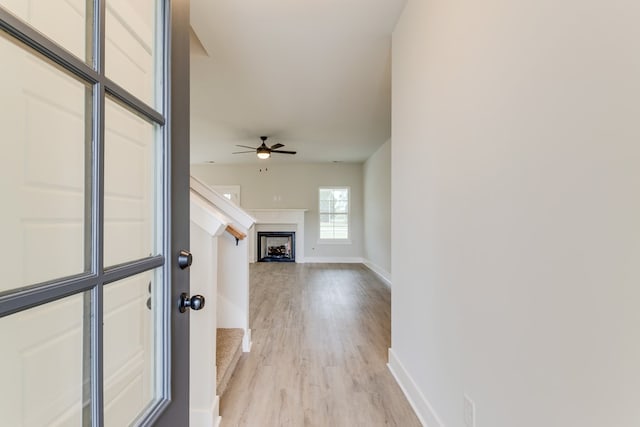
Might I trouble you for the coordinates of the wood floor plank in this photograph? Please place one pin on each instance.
(320, 338)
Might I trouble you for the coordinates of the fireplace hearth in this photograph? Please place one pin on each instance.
(276, 246)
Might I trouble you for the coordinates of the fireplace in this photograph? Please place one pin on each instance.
(276, 246)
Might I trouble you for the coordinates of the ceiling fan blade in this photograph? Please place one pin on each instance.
(276, 146)
(245, 146)
(242, 152)
(283, 152)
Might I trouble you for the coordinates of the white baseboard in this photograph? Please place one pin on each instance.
(418, 402)
(333, 260)
(382, 274)
(246, 341)
(208, 417)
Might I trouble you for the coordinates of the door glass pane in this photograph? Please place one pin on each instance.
(130, 50)
(63, 21)
(130, 186)
(42, 169)
(41, 365)
(131, 308)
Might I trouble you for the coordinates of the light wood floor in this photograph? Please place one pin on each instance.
(320, 338)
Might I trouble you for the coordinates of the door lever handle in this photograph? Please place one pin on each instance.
(196, 302)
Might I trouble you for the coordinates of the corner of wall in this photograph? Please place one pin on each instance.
(377, 212)
(206, 417)
(421, 406)
(382, 274)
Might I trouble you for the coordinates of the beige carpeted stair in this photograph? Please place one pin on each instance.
(228, 352)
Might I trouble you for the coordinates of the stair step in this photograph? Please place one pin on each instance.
(228, 352)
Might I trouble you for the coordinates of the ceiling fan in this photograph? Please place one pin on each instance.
(263, 151)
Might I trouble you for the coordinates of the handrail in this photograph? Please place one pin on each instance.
(235, 233)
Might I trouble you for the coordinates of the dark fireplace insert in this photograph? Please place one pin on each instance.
(276, 246)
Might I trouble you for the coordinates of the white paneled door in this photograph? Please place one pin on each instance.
(94, 190)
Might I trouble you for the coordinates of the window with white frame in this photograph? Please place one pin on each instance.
(334, 213)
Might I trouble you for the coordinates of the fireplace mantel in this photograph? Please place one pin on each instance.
(279, 220)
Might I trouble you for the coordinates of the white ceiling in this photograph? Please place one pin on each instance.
(314, 75)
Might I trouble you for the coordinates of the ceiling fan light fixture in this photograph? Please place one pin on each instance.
(263, 151)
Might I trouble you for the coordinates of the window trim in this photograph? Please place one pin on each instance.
(334, 241)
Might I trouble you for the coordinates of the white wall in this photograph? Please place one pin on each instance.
(377, 211)
(233, 283)
(516, 164)
(295, 186)
(203, 280)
